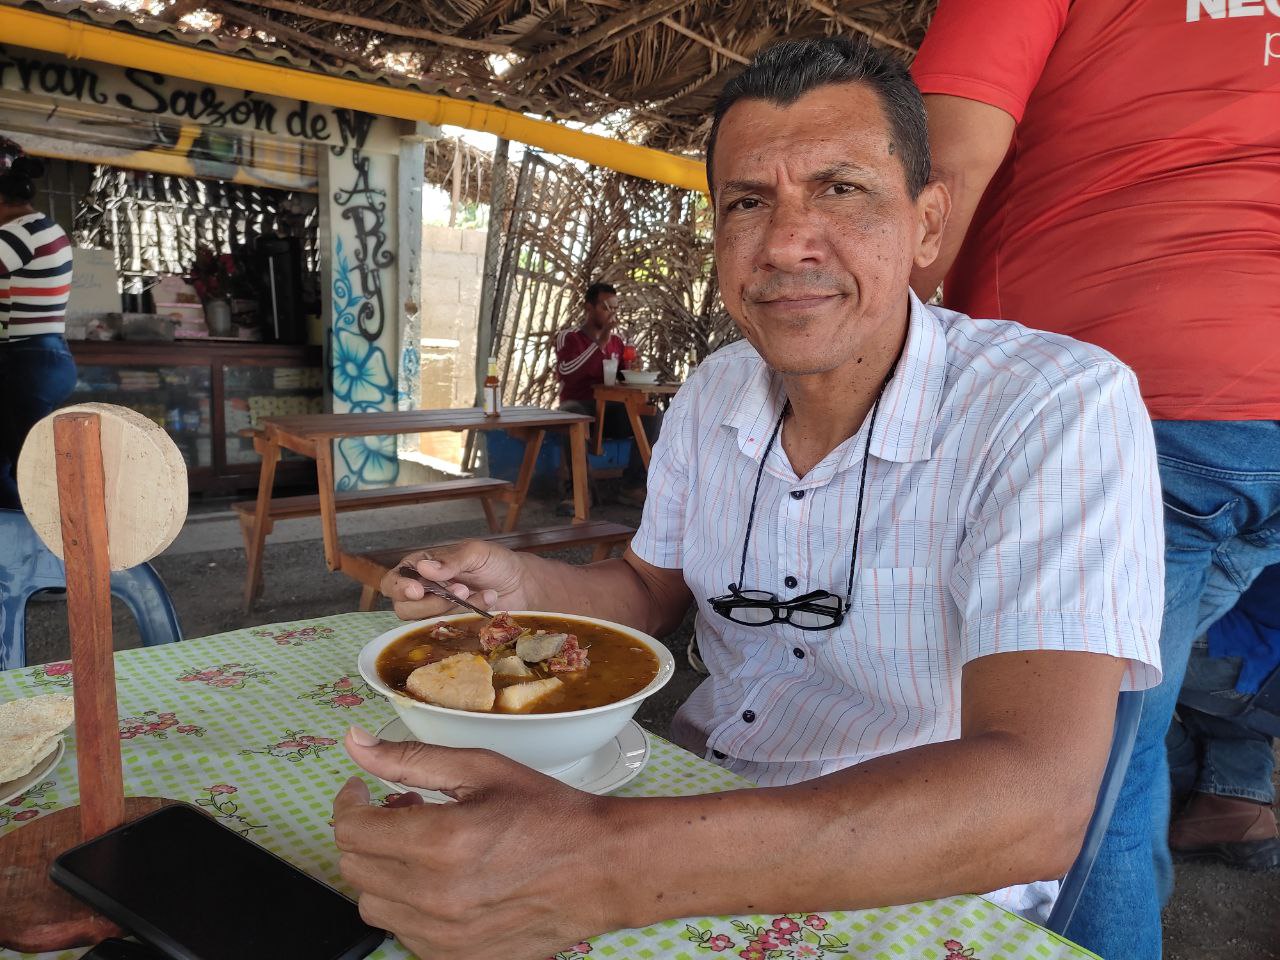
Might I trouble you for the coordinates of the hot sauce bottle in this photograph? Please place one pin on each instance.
(492, 390)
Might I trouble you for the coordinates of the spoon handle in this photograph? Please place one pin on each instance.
(432, 587)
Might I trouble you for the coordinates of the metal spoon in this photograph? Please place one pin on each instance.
(434, 588)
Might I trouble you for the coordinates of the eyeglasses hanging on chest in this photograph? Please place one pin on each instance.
(816, 609)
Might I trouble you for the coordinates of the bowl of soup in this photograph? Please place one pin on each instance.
(544, 689)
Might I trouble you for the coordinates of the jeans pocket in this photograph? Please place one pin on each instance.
(1197, 526)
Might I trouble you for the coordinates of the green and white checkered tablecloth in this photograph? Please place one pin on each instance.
(248, 725)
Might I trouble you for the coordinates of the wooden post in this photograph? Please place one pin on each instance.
(269, 449)
(637, 429)
(455, 183)
(578, 455)
(532, 446)
(140, 483)
(328, 503)
(492, 259)
(83, 510)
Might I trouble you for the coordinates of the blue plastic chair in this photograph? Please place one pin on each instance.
(1128, 712)
(27, 566)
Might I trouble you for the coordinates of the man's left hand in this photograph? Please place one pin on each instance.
(509, 871)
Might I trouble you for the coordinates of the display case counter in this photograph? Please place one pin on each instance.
(204, 393)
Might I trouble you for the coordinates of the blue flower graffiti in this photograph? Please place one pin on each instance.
(360, 372)
(362, 382)
(410, 367)
(372, 459)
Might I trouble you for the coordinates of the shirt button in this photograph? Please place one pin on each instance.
(791, 582)
(799, 653)
(749, 716)
(797, 494)
(717, 754)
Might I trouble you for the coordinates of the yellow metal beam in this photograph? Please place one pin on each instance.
(78, 40)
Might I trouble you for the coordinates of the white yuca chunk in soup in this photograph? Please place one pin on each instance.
(519, 697)
(461, 682)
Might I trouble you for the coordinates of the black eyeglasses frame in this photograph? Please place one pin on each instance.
(781, 610)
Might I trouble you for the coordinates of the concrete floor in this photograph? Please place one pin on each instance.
(1216, 913)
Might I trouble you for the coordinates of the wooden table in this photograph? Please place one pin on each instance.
(312, 435)
(638, 399)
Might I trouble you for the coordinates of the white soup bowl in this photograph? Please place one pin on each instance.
(549, 742)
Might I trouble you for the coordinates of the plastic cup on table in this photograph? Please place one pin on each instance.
(610, 371)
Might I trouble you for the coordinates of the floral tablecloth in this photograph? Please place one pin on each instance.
(248, 725)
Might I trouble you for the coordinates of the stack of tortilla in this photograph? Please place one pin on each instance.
(30, 730)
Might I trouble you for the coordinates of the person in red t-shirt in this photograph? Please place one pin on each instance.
(580, 356)
(1113, 166)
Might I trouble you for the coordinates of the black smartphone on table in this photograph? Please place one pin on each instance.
(197, 890)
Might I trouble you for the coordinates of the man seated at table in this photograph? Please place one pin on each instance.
(961, 518)
(580, 359)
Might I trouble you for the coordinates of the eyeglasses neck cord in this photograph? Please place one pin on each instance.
(862, 486)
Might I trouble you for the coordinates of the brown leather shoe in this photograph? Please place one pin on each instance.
(1239, 833)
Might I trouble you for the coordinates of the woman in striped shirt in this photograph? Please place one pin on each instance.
(36, 369)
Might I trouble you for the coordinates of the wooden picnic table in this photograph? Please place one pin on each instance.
(312, 435)
(638, 399)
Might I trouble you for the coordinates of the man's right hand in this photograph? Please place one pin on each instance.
(471, 569)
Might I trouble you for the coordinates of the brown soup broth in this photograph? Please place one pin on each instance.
(620, 666)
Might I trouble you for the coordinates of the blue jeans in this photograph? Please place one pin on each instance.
(36, 375)
(1213, 745)
(1218, 755)
(1221, 485)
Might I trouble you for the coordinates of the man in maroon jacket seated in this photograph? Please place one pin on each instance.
(580, 357)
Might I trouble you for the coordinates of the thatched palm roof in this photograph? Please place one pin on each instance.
(648, 68)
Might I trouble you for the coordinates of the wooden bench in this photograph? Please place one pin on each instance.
(601, 535)
(484, 489)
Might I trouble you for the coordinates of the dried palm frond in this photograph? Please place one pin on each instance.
(661, 61)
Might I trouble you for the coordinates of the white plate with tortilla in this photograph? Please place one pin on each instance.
(31, 740)
(12, 789)
(616, 763)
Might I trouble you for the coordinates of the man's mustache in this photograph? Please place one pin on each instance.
(797, 287)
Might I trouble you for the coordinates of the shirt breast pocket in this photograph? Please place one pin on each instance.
(899, 648)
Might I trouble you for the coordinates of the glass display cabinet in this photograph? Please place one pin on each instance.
(206, 394)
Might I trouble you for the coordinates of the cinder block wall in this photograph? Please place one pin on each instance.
(452, 266)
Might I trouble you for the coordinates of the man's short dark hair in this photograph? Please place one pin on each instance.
(597, 288)
(786, 71)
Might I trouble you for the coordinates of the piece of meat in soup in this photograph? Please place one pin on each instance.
(499, 632)
(570, 658)
(461, 682)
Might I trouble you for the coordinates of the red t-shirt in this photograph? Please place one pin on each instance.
(1139, 205)
(580, 364)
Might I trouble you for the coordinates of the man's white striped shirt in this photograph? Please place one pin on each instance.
(1012, 503)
